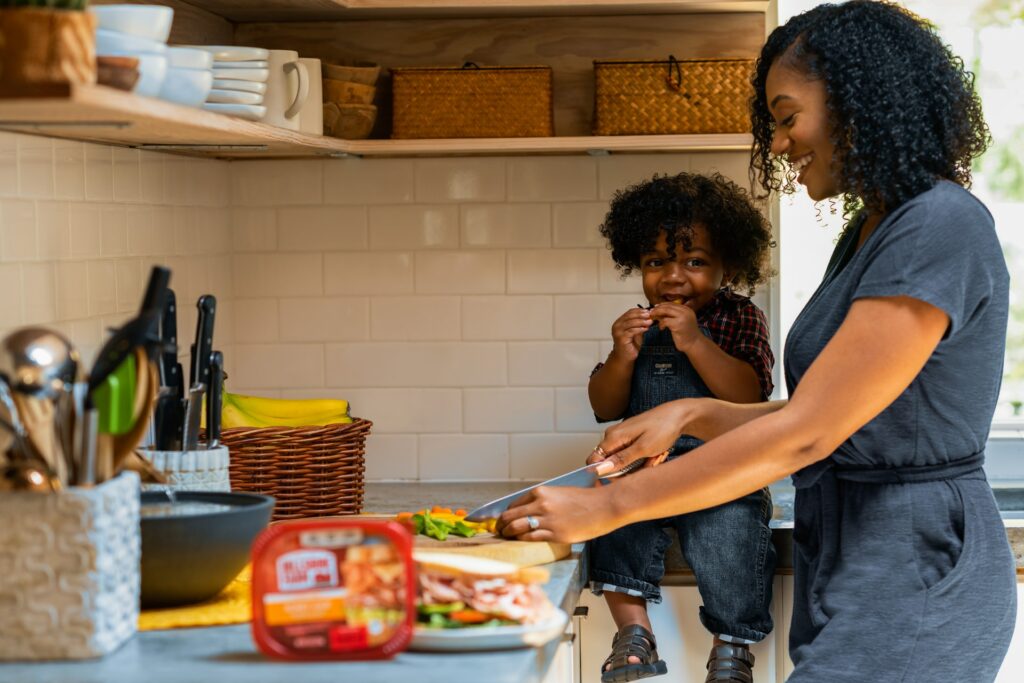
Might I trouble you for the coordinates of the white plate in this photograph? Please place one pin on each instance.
(489, 637)
(252, 64)
(112, 42)
(188, 58)
(234, 53)
(234, 97)
(244, 86)
(243, 111)
(259, 75)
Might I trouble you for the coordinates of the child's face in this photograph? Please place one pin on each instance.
(691, 276)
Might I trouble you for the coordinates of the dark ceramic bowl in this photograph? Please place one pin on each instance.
(194, 544)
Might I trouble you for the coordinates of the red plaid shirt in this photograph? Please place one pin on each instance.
(741, 330)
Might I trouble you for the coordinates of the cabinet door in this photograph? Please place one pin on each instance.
(1012, 670)
(683, 642)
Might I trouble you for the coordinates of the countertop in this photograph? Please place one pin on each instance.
(227, 654)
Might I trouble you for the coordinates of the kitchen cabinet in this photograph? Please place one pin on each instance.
(565, 35)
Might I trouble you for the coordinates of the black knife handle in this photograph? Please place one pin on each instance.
(213, 399)
(199, 368)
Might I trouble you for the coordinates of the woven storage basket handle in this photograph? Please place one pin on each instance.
(674, 70)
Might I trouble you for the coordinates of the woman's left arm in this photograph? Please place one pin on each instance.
(874, 356)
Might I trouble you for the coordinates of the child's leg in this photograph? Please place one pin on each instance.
(627, 610)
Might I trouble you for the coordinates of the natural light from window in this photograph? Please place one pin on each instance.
(988, 35)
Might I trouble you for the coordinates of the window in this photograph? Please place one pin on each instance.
(987, 35)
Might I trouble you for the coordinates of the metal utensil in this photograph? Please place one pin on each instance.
(193, 414)
(583, 477)
(38, 362)
(24, 470)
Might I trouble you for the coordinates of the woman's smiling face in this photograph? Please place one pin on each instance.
(802, 128)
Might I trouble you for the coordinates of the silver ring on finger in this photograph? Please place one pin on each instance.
(533, 522)
(599, 451)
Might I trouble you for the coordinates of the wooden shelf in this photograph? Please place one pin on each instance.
(337, 10)
(103, 115)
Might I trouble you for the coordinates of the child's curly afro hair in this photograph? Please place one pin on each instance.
(674, 204)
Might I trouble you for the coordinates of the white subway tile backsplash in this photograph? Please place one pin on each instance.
(507, 317)
(72, 290)
(151, 177)
(417, 364)
(86, 221)
(150, 229)
(590, 316)
(506, 225)
(420, 318)
(39, 289)
(460, 272)
(186, 230)
(253, 230)
(321, 228)
(281, 183)
(391, 457)
(278, 366)
(68, 169)
(536, 457)
(732, 166)
(127, 175)
(113, 231)
(324, 319)
(376, 273)
(129, 283)
(11, 294)
(364, 181)
(577, 224)
(532, 179)
(552, 271)
(416, 226)
(255, 320)
(464, 457)
(18, 230)
(54, 230)
(406, 411)
(551, 363)
(270, 275)
(9, 164)
(460, 180)
(99, 173)
(508, 409)
(102, 288)
(611, 280)
(573, 412)
(35, 166)
(619, 172)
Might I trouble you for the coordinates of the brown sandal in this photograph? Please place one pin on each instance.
(729, 662)
(632, 641)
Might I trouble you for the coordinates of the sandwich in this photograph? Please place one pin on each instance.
(457, 591)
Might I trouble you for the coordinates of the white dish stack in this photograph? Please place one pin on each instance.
(189, 76)
(239, 81)
(138, 31)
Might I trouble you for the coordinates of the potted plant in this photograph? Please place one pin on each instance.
(46, 42)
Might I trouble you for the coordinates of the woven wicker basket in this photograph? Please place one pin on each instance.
(658, 97)
(472, 102)
(310, 471)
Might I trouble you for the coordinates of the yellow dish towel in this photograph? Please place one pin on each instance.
(233, 605)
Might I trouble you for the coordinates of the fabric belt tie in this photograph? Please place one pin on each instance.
(810, 475)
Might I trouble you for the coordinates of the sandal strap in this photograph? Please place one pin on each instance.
(632, 641)
(730, 663)
(727, 652)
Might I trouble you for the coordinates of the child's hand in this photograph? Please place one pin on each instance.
(628, 332)
(681, 320)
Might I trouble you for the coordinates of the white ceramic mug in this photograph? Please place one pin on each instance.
(311, 119)
(287, 89)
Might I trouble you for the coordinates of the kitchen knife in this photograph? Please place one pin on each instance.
(583, 477)
(193, 414)
(169, 415)
(213, 399)
(199, 367)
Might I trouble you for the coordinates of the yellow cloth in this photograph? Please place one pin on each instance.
(233, 605)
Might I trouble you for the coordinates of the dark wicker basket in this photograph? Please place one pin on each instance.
(673, 96)
(310, 471)
(472, 102)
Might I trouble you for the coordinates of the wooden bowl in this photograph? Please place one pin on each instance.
(349, 121)
(366, 75)
(345, 92)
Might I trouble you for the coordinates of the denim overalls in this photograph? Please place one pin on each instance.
(728, 547)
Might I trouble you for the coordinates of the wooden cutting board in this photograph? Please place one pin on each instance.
(521, 553)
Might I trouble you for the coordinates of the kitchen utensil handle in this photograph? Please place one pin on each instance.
(199, 368)
(213, 399)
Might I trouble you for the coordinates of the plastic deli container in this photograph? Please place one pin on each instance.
(333, 589)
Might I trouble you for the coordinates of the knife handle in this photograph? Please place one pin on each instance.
(213, 399)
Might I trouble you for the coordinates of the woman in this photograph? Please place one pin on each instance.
(902, 567)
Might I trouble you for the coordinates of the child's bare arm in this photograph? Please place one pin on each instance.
(609, 386)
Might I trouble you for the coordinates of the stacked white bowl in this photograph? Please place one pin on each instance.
(138, 31)
(239, 80)
(189, 76)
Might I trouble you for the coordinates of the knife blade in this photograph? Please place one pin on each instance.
(582, 477)
(193, 414)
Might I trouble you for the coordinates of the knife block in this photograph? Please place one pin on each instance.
(199, 470)
(71, 570)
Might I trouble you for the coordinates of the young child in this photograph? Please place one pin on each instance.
(694, 239)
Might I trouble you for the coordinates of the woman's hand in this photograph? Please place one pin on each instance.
(561, 515)
(681, 320)
(651, 433)
(628, 332)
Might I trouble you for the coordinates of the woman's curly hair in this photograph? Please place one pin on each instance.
(903, 110)
(674, 204)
